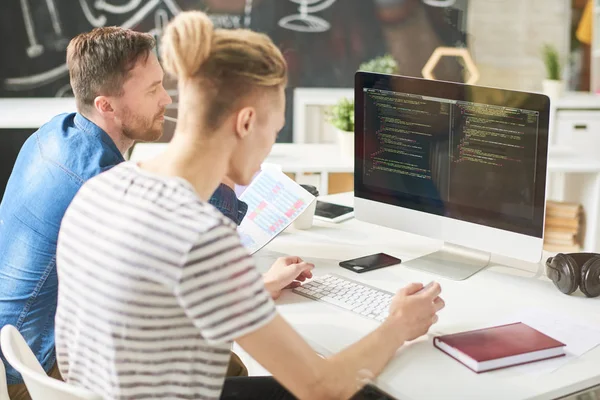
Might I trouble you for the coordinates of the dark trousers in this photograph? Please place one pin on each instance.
(267, 388)
(254, 388)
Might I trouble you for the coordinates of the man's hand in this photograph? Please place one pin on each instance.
(414, 313)
(286, 273)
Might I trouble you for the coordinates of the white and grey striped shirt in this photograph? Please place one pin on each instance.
(154, 285)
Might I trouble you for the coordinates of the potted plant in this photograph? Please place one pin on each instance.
(385, 64)
(553, 85)
(341, 117)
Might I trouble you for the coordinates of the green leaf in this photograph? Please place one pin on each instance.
(551, 61)
(385, 65)
(341, 115)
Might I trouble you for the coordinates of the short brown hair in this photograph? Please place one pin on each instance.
(226, 63)
(99, 61)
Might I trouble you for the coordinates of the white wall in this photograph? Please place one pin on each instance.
(506, 39)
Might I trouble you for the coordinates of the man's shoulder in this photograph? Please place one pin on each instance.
(75, 150)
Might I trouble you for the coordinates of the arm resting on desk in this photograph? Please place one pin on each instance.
(281, 350)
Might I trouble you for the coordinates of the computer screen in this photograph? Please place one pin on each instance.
(468, 153)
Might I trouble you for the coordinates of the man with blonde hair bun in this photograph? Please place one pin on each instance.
(118, 86)
(160, 321)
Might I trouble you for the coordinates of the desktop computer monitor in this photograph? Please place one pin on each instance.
(459, 163)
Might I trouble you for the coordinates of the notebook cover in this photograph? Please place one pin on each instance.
(499, 342)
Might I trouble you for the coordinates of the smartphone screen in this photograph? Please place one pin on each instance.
(370, 262)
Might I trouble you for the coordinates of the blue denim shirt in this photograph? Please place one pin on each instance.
(51, 167)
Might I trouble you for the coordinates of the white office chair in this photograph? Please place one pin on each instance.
(40, 386)
(3, 387)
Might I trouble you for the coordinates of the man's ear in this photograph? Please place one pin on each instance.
(246, 120)
(103, 106)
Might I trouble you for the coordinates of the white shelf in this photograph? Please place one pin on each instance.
(23, 113)
(578, 101)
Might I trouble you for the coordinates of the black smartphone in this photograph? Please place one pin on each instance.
(369, 263)
(331, 212)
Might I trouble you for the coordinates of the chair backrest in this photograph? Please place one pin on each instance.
(39, 384)
(3, 387)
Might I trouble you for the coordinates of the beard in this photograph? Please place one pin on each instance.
(140, 128)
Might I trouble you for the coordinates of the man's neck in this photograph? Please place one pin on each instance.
(122, 142)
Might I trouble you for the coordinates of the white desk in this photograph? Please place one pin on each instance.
(419, 371)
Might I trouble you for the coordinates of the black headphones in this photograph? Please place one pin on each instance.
(575, 270)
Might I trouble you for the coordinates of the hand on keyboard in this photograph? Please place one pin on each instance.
(286, 273)
(414, 313)
(416, 310)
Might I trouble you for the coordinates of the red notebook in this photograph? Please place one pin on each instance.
(499, 347)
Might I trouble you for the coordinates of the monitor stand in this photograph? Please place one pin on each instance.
(452, 262)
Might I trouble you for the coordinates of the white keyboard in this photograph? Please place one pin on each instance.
(348, 294)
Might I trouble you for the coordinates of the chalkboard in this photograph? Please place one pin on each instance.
(324, 41)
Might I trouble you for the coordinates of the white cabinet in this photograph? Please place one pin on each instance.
(575, 122)
(578, 130)
(574, 158)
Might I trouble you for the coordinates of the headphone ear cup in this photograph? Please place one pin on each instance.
(590, 277)
(567, 275)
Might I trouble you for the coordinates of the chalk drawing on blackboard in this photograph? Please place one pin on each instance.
(147, 9)
(34, 49)
(304, 21)
(65, 91)
(37, 80)
(235, 20)
(248, 14)
(96, 22)
(440, 3)
(120, 9)
(54, 17)
(161, 19)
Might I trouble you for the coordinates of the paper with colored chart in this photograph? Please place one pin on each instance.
(274, 202)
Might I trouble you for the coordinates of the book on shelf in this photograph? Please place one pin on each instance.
(562, 222)
(560, 248)
(559, 238)
(563, 226)
(563, 209)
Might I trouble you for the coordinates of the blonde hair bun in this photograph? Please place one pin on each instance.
(186, 43)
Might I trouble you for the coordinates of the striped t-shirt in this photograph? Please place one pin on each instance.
(154, 285)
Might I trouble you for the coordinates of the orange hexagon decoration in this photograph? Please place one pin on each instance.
(440, 52)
